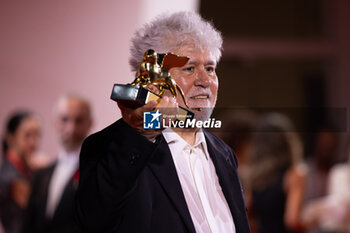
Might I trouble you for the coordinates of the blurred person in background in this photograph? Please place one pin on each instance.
(21, 141)
(50, 207)
(276, 177)
(237, 132)
(332, 212)
(320, 162)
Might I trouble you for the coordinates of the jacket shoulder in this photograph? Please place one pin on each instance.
(118, 137)
(102, 134)
(218, 143)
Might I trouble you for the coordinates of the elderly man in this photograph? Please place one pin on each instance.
(50, 207)
(134, 180)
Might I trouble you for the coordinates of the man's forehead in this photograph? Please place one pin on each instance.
(196, 61)
(196, 54)
(72, 103)
(72, 107)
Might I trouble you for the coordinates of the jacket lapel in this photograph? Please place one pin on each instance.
(42, 193)
(229, 182)
(65, 200)
(163, 168)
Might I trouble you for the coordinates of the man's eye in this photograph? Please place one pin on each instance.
(210, 69)
(190, 68)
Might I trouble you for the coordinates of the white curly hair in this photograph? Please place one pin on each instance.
(169, 32)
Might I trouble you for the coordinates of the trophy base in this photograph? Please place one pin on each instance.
(137, 96)
(132, 96)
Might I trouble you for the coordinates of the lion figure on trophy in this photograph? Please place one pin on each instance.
(154, 70)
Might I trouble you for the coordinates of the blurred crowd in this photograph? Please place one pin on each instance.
(36, 195)
(286, 189)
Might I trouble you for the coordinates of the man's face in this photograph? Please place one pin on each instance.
(198, 80)
(73, 122)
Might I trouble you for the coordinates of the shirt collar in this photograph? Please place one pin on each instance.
(172, 137)
(69, 157)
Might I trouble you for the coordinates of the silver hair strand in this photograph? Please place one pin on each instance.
(170, 31)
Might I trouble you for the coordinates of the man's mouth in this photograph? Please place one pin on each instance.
(200, 97)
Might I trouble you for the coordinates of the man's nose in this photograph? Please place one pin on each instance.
(70, 127)
(202, 78)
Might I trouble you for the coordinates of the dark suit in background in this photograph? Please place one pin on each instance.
(54, 188)
(62, 220)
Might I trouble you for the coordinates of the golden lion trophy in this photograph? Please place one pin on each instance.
(153, 70)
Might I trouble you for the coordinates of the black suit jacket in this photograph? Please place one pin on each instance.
(128, 184)
(63, 220)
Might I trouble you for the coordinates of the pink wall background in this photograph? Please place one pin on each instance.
(49, 48)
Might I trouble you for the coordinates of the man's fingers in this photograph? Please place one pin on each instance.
(167, 102)
(121, 107)
(153, 89)
(134, 117)
(151, 104)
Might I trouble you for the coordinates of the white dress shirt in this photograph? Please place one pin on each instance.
(203, 194)
(66, 166)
